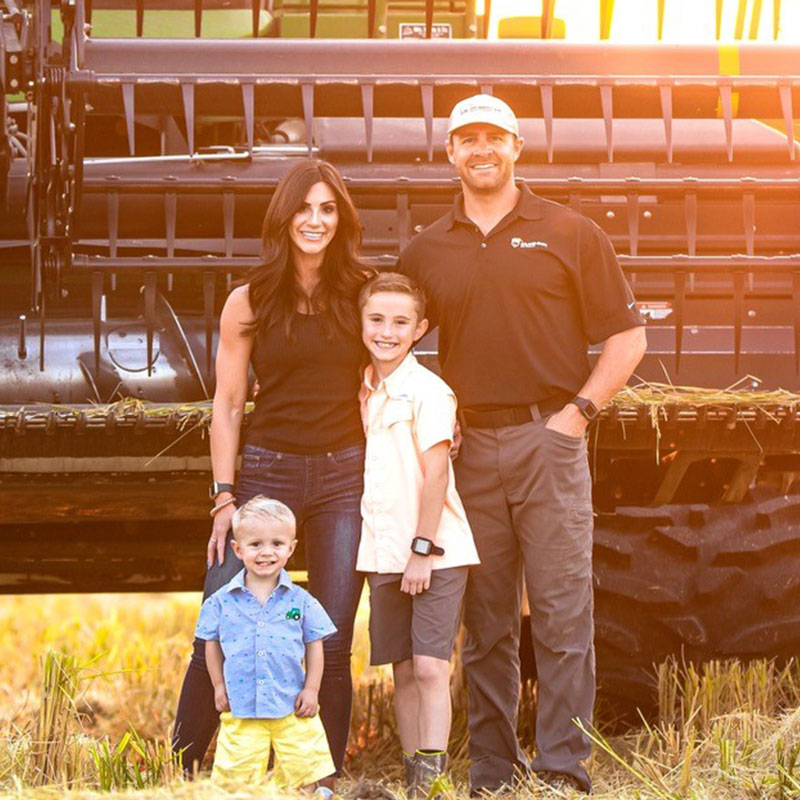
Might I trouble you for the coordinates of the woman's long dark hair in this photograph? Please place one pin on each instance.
(275, 293)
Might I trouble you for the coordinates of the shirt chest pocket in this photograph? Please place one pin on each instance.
(397, 412)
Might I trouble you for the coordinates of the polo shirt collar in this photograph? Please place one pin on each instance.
(394, 383)
(528, 206)
(237, 582)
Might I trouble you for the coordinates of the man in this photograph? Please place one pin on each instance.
(519, 286)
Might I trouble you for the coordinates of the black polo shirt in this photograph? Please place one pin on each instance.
(518, 308)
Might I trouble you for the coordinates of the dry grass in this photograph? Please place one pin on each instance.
(745, 394)
(88, 686)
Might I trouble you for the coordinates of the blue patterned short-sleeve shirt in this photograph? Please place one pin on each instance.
(264, 645)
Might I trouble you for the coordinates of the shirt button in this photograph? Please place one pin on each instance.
(483, 244)
(260, 682)
(260, 624)
(261, 652)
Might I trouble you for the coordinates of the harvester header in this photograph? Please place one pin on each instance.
(137, 162)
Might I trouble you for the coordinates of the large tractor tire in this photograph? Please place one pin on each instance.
(697, 582)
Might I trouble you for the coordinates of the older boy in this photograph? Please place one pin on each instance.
(416, 543)
(259, 629)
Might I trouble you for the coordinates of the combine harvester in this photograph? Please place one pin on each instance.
(135, 173)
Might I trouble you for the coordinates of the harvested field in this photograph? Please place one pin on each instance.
(88, 686)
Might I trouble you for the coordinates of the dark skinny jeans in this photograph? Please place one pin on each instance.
(324, 492)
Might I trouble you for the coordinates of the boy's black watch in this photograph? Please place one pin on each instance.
(425, 547)
(589, 410)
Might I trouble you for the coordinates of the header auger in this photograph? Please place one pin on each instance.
(136, 172)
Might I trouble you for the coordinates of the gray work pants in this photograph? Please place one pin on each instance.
(527, 493)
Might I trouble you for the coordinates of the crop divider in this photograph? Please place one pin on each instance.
(738, 315)
(632, 205)
(187, 94)
(368, 110)
(97, 311)
(307, 89)
(426, 90)
(248, 107)
(679, 303)
(150, 288)
(128, 101)
(607, 105)
(665, 97)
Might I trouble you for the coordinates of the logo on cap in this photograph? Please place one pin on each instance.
(486, 109)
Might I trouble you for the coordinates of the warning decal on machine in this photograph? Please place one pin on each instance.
(654, 309)
(416, 30)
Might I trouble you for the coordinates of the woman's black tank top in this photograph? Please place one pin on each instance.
(308, 388)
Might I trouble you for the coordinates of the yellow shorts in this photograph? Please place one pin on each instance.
(301, 750)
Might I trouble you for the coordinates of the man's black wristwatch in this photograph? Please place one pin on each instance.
(589, 410)
(218, 488)
(425, 547)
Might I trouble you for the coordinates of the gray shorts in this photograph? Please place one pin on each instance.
(402, 626)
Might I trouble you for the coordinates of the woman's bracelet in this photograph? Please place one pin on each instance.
(221, 506)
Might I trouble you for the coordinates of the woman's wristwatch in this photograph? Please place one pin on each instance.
(218, 488)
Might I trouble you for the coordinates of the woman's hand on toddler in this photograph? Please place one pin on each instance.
(219, 534)
(307, 703)
(221, 699)
(417, 576)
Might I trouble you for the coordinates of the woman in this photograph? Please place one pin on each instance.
(296, 321)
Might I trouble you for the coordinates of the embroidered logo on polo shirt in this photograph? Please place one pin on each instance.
(517, 242)
(293, 613)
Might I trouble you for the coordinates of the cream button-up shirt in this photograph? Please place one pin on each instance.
(404, 415)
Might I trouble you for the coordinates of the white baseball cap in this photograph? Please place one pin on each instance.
(483, 108)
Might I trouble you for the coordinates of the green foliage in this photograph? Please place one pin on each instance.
(133, 763)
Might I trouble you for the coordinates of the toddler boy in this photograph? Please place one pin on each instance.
(259, 629)
(416, 543)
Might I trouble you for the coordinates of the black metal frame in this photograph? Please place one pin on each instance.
(322, 81)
